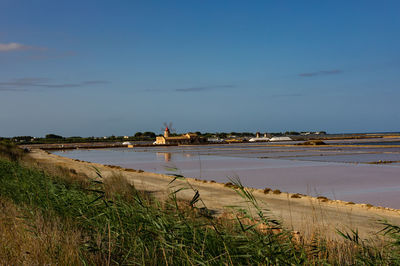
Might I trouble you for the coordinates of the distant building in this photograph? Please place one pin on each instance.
(188, 138)
(280, 139)
(215, 140)
(259, 139)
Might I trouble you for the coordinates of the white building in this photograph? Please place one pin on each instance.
(259, 139)
(280, 139)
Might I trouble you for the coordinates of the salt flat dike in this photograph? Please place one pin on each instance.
(297, 212)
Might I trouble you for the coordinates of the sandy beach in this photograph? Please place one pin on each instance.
(306, 214)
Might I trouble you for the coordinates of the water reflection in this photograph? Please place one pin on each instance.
(166, 155)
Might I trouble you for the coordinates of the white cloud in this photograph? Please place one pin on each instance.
(13, 46)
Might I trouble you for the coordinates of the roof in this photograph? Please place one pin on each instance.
(181, 137)
(176, 138)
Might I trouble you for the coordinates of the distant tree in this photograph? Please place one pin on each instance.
(138, 134)
(149, 134)
(222, 135)
(198, 133)
(53, 136)
(292, 133)
(209, 135)
(23, 138)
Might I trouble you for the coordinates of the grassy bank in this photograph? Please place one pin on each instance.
(54, 216)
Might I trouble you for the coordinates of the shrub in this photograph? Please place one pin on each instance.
(267, 190)
(312, 142)
(276, 191)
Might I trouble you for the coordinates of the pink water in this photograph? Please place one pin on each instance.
(331, 172)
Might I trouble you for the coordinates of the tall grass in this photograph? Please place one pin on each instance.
(132, 229)
(111, 223)
(10, 151)
(29, 239)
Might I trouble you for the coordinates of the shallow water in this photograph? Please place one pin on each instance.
(309, 170)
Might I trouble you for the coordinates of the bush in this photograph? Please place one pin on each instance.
(53, 136)
(267, 190)
(276, 191)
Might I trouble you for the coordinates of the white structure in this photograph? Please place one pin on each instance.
(215, 140)
(280, 139)
(258, 139)
(126, 143)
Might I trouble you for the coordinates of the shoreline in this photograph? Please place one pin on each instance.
(298, 212)
(367, 141)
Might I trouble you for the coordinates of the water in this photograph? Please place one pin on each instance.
(373, 143)
(334, 172)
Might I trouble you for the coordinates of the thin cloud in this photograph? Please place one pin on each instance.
(44, 56)
(95, 82)
(153, 90)
(13, 46)
(288, 95)
(321, 72)
(4, 89)
(206, 88)
(23, 84)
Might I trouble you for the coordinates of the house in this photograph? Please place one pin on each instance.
(188, 138)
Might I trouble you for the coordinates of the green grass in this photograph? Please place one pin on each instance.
(134, 229)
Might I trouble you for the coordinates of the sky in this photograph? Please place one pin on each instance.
(101, 68)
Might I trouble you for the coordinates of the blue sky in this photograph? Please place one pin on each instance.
(94, 68)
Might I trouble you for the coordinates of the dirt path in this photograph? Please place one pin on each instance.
(306, 214)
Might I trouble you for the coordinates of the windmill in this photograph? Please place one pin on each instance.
(167, 129)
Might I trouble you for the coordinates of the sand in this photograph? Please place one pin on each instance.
(307, 215)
